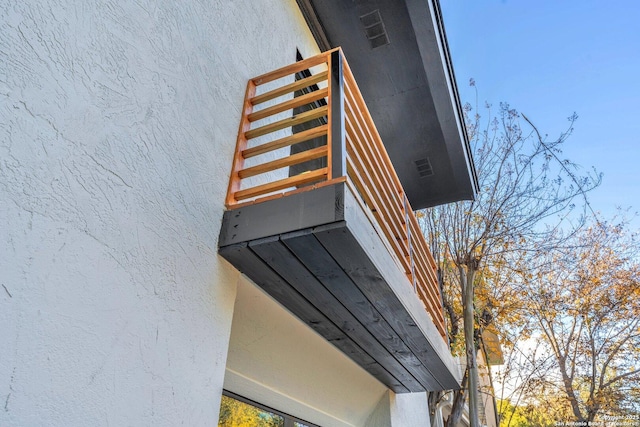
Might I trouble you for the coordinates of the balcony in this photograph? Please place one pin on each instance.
(317, 217)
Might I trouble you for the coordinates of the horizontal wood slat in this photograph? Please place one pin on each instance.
(298, 101)
(314, 186)
(288, 122)
(382, 199)
(353, 92)
(385, 201)
(394, 234)
(296, 138)
(293, 68)
(395, 245)
(291, 87)
(293, 181)
(294, 159)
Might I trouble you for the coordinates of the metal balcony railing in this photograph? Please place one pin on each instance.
(306, 125)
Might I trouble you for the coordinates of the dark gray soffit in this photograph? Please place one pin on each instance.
(407, 82)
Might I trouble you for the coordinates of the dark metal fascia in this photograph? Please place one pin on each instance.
(314, 24)
(454, 85)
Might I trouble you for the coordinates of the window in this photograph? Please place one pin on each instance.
(236, 411)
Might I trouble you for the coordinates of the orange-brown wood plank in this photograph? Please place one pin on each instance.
(298, 101)
(424, 254)
(293, 68)
(288, 122)
(371, 161)
(430, 282)
(296, 138)
(429, 289)
(293, 181)
(421, 256)
(428, 302)
(241, 144)
(351, 86)
(380, 213)
(353, 168)
(288, 193)
(376, 146)
(421, 246)
(371, 172)
(381, 192)
(434, 307)
(376, 156)
(428, 276)
(437, 318)
(291, 87)
(365, 192)
(294, 159)
(383, 215)
(435, 311)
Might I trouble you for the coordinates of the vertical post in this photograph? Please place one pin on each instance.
(444, 313)
(241, 145)
(409, 243)
(337, 161)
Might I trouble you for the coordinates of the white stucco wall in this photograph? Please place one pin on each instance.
(401, 410)
(409, 410)
(117, 126)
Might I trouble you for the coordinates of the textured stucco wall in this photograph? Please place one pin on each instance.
(401, 410)
(117, 125)
(409, 410)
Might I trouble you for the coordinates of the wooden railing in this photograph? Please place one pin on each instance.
(316, 105)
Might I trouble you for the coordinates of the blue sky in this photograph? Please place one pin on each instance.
(549, 59)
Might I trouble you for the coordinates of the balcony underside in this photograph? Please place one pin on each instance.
(318, 254)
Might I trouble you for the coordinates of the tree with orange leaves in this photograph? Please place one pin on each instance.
(524, 184)
(585, 306)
